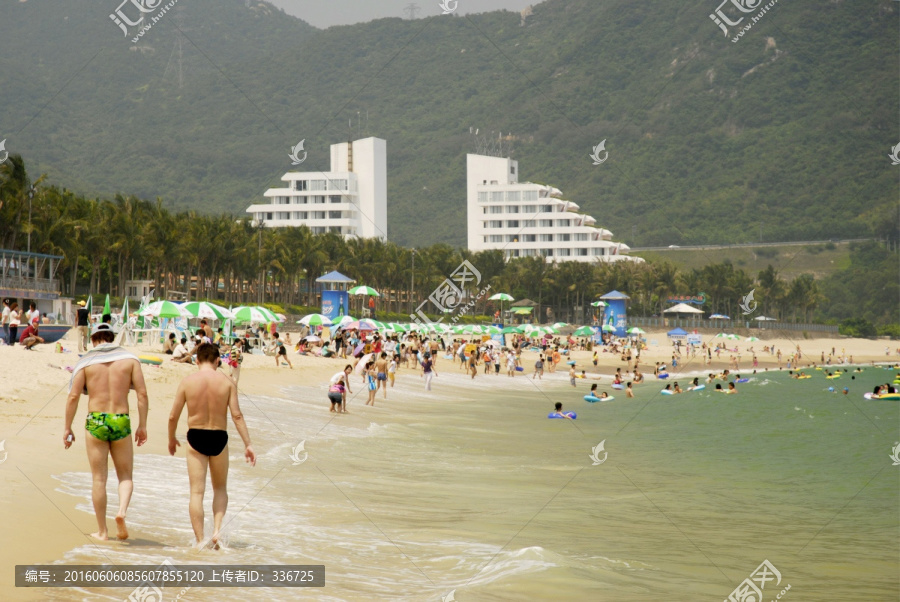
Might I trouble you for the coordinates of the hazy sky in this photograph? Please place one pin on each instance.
(324, 13)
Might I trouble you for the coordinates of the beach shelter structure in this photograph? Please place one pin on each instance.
(335, 298)
(677, 333)
(682, 308)
(501, 297)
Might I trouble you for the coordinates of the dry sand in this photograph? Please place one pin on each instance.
(40, 524)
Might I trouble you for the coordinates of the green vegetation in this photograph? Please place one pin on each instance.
(105, 242)
(786, 130)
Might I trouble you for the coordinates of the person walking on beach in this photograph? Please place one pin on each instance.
(208, 395)
(392, 369)
(106, 373)
(82, 322)
(572, 375)
(428, 371)
(539, 368)
(473, 363)
(343, 378)
(381, 371)
(13, 323)
(510, 363)
(5, 321)
(370, 382)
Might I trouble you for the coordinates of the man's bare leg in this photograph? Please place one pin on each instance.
(196, 465)
(218, 474)
(123, 459)
(98, 452)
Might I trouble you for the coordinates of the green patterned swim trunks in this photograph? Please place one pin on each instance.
(108, 427)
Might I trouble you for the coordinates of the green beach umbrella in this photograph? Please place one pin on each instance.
(501, 297)
(492, 330)
(210, 311)
(584, 331)
(598, 304)
(106, 309)
(165, 309)
(364, 290)
(721, 335)
(560, 325)
(315, 320)
(733, 337)
(397, 327)
(345, 320)
(608, 328)
(512, 330)
(253, 313)
(536, 333)
(750, 339)
(635, 330)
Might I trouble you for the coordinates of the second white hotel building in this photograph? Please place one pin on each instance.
(528, 219)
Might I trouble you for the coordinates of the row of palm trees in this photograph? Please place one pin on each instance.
(220, 257)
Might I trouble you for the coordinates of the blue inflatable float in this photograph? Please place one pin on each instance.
(571, 415)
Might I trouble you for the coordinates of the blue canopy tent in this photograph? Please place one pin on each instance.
(677, 333)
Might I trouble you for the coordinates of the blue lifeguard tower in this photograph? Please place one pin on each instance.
(615, 313)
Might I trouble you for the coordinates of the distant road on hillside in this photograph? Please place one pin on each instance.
(748, 244)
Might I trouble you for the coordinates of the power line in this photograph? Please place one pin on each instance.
(412, 10)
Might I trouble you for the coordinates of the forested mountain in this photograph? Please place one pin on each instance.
(786, 130)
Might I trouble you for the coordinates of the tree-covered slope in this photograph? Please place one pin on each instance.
(790, 127)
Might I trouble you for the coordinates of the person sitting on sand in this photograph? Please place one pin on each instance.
(30, 337)
(181, 354)
(106, 373)
(170, 344)
(208, 395)
(629, 392)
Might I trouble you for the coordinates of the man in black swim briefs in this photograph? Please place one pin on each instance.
(208, 395)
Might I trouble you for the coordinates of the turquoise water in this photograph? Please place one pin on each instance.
(472, 490)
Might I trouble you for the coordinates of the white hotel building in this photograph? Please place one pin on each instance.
(526, 220)
(351, 199)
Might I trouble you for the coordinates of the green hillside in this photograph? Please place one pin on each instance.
(789, 127)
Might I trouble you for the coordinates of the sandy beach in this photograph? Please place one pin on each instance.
(33, 388)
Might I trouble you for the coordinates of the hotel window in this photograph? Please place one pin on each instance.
(563, 237)
(335, 229)
(514, 196)
(335, 199)
(515, 253)
(337, 185)
(529, 209)
(318, 229)
(495, 209)
(581, 252)
(495, 238)
(545, 223)
(318, 185)
(300, 185)
(512, 208)
(319, 199)
(512, 170)
(497, 196)
(530, 195)
(547, 252)
(562, 223)
(334, 215)
(546, 238)
(283, 215)
(581, 237)
(598, 251)
(513, 223)
(482, 197)
(318, 215)
(563, 252)
(512, 238)
(530, 223)
(268, 216)
(528, 252)
(546, 208)
(300, 214)
(495, 224)
(529, 237)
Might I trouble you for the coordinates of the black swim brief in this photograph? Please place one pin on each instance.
(207, 442)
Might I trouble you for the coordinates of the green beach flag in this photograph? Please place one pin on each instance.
(106, 308)
(125, 312)
(89, 306)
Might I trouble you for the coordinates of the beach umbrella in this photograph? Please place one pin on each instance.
(361, 365)
(492, 330)
(314, 320)
(536, 333)
(125, 311)
(721, 335)
(733, 337)
(344, 321)
(751, 339)
(512, 330)
(106, 309)
(253, 313)
(397, 327)
(363, 290)
(584, 331)
(598, 304)
(312, 338)
(560, 325)
(719, 317)
(635, 330)
(360, 325)
(501, 297)
(165, 309)
(608, 328)
(202, 309)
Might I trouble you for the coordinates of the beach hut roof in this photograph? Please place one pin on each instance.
(614, 296)
(682, 308)
(523, 303)
(335, 277)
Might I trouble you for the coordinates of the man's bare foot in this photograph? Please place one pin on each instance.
(121, 531)
(214, 542)
(100, 537)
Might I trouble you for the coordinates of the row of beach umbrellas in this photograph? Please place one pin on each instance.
(244, 314)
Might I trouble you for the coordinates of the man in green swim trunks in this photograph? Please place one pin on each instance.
(106, 374)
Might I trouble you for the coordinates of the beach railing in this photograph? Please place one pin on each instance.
(729, 325)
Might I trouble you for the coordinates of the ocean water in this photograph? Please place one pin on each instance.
(470, 493)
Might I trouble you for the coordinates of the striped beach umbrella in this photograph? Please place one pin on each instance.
(501, 297)
(253, 313)
(560, 325)
(344, 321)
(364, 290)
(211, 311)
(584, 331)
(165, 309)
(315, 320)
(512, 330)
(598, 304)
(635, 330)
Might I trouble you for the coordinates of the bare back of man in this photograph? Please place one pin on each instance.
(107, 429)
(208, 395)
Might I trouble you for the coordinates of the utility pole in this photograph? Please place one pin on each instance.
(259, 288)
(411, 10)
(31, 192)
(412, 283)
